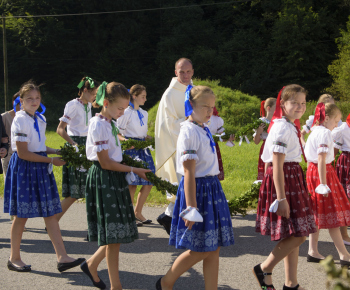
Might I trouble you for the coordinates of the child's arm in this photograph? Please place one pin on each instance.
(190, 186)
(108, 164)
(121, 137)
(258, 132)
(336, 151)
(61, 130)
(23, 153)
(50, 150)
(278, 178)
(302, 137)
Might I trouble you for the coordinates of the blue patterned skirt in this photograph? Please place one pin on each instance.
(215, 230)
(144, 155)
(30, 191)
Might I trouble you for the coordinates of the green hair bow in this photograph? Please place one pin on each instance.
(100, 95)
(82, 83)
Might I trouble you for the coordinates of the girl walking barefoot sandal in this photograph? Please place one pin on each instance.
(260, 275)
(290, 288)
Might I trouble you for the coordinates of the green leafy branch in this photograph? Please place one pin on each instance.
(338, 279)
(73, 158)
(137, 144)
(245, 201)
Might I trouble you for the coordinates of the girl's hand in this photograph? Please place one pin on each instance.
(3, 152)
(283, 209)
(58, 152)
(141, 172)
(57, 161)
(232, 137)
(260, 128)
(188, 224)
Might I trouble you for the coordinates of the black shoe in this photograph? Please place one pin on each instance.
(344, 263)
(290, 288)
(66, 266)
(165, 221)
(87, 238)
(139, 224)
(12, 267)
(145, 222)
(85, 268)
(260, 275)
(312, 259)
(159, 285)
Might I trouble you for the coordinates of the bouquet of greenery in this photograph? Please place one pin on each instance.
(136, 144)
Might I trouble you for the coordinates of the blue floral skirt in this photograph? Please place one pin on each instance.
(30, 191)
(215, 230)
(144, 155)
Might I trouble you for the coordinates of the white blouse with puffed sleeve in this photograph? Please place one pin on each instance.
(100, 138)
(319, 141)
(341, 137)
(22, 130)
(283, 139)
(216, 125)
(75, 117)
(129, 124)
(193, 143)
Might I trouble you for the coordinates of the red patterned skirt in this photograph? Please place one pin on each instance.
(261, 164)
(343, 171)
(221, 175)
(332, 211)
(301, 221)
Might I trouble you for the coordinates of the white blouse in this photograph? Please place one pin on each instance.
(264, 133)
(129, 124)
(307, 126)
(75, 116)
(283, 139)
(100, 138)
(216, 125)
(193, 143)
(22, 130)
(341, 137)
(319, 141)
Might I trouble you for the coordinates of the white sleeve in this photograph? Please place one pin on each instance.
(338, 139)
(20, 129)
(172, 120)
(123, 121)
(308, 125)
(187, 146)
(99, 136)
(280, 136)
(220, 126)
(323, 143)
(69, 113)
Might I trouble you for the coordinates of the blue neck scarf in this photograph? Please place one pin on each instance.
(36, 116)
(138, 113)
(188, 106)
(206, 129)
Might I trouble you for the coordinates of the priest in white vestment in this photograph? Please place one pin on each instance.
(171, 112)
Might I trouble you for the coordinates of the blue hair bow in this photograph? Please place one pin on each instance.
(188, 106)
(16, 102)
(138, 113)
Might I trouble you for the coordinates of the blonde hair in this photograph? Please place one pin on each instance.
(27, 87)
(325, 98)
(291, 90)
(114, 91)
(331, 110)
(198, 92)
(136, 90)
(269, 102)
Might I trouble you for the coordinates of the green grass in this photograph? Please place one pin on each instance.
(240, 165)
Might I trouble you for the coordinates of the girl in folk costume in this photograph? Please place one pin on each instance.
(216, 126)
(341, 138)
(325, 98)
(284, 207)
(133, 124)
(30, 187)
(330, 204)
(267, 107)
(110, 214)
(201, 220)
(77, 114)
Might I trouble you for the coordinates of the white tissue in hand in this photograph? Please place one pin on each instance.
(130, 177)
(322, 189)
(274, 206)
(50, 168)
(193, 216)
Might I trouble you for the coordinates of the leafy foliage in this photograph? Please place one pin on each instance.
(338, 279)
(137, 144)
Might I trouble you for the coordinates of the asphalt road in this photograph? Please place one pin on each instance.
(144, 261)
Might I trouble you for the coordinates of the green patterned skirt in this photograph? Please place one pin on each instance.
(110, 213)
(74, 180)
